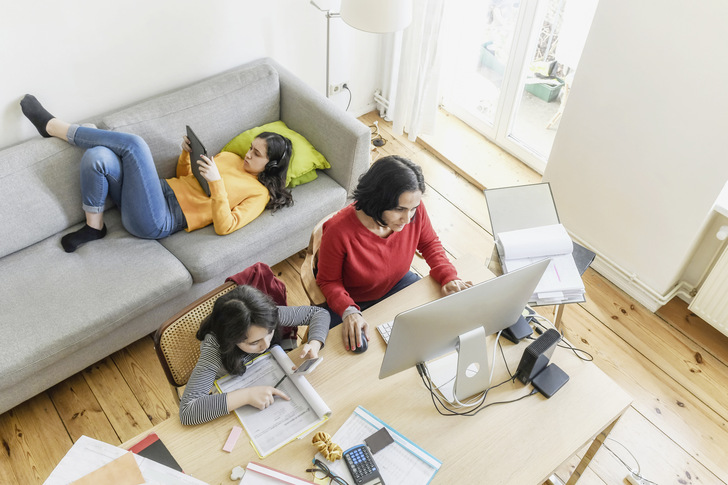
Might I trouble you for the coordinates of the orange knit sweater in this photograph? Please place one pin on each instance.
(235, 200)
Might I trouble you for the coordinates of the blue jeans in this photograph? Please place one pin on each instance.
(406, 280)
(120, 166)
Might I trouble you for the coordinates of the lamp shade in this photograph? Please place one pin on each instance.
(377, 16)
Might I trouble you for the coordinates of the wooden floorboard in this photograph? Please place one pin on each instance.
(671, 362)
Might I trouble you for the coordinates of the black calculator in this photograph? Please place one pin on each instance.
(361, 464)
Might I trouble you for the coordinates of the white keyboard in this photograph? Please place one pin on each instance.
(385, 330)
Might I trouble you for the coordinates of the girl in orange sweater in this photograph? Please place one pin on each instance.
(120, 166)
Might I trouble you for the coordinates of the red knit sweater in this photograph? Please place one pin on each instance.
(356, 265)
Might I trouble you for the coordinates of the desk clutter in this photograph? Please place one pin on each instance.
(561, 282)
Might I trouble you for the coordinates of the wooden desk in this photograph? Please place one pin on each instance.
(518, 443)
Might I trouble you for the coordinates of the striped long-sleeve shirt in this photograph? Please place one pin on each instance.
(197, 404)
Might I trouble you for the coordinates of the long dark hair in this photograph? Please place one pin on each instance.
(231, 318)
(379, 187)
(273, 175)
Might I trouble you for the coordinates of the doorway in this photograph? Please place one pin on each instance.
(509, 66)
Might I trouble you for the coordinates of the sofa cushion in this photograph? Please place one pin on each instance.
(276, 235)
(55, 303)
(206, 107)
(304, 160)
(39, 183)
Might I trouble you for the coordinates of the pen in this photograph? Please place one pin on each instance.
(279, 382)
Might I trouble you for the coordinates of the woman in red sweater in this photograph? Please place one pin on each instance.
(367, 247)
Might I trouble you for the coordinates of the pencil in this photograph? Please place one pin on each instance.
(279, 382)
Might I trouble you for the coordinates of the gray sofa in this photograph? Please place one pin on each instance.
(62, 312)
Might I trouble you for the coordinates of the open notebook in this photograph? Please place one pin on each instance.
(283, 421)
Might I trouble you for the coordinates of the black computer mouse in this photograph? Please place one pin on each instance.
(363, 348)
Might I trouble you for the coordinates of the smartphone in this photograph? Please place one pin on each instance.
(307, 366)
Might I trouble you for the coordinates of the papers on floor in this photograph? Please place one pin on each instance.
(283, 421)
(561, 283)
(401, 463)
(88, 455)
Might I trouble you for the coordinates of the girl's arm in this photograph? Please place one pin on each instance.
(183, 162)
(226, 220)
(199, 406)
(317, 320)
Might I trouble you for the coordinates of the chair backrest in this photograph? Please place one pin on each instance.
(310, 263)
(175, 340)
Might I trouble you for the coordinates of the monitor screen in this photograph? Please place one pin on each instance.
(434, 329)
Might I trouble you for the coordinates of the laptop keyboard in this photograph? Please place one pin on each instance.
(385, 330)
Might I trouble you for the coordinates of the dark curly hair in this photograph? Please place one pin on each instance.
(231, 318)
(379, 187)
(273, 176)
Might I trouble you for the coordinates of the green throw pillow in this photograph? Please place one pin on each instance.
(304, 160)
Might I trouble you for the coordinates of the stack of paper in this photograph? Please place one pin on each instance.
(561, 283)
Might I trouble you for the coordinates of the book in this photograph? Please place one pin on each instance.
(401, 462)
(153, 448)
(282, 422)
(561, 282)
(257, 474)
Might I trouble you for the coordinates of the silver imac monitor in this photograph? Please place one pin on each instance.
(461, 322)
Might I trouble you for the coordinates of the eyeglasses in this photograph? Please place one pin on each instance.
(322, 471)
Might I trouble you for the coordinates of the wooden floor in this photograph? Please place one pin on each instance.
(672, 363)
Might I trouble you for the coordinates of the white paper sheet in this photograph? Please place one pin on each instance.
(88, 454)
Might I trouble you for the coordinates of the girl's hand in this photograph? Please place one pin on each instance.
(354, 328)
(208, 169)
(263, 396)
(310, 350)
(454, 286)
(186, 144)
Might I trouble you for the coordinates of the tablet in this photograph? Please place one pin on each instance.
(198, 149)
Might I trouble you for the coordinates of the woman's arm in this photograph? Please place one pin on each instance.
(430, 247)
(330, 276)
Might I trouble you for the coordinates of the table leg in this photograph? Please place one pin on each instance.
(596, 444)
(557, 318)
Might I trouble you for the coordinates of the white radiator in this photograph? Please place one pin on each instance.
(711, 302)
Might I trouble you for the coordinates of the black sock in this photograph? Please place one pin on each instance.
(36, 113)
(73, 240)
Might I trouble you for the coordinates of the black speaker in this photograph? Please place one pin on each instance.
(537, 355)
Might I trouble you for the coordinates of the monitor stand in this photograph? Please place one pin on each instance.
(473, 374)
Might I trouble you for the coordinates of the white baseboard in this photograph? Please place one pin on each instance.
(636, 288)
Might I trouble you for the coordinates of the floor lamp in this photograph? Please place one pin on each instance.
(376, 16)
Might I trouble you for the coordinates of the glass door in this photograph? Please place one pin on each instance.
(509, 65)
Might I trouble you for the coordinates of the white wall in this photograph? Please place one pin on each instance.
(82, 58)
(640, 155)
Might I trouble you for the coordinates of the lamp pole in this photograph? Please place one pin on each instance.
(329, 15)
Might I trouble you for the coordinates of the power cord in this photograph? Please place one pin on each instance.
(535, 317)
(346, 86)
(635, 476)
(447, 411)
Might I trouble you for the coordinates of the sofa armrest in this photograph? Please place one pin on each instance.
(340, 137)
